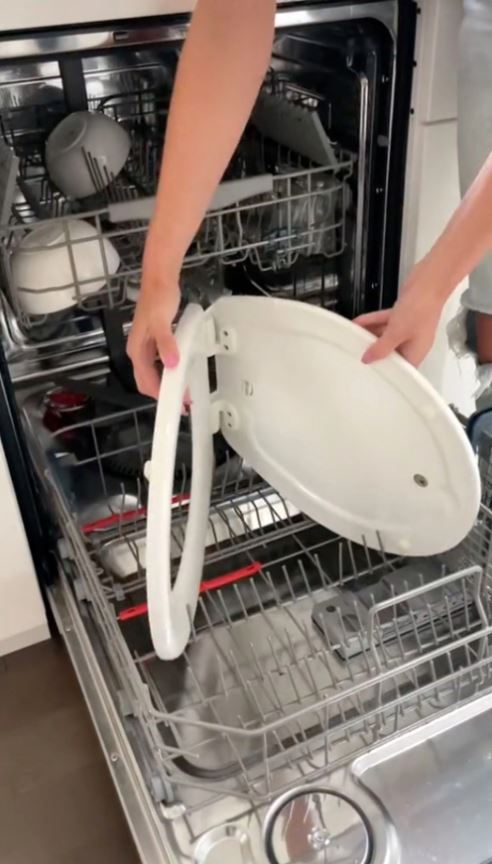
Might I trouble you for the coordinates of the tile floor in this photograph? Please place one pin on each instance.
(57, 802)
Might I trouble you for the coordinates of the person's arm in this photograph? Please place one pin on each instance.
(223, 63)
(411, 325)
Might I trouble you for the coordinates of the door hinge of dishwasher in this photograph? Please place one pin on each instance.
(65, 550)
(80, 590)
(125, 704)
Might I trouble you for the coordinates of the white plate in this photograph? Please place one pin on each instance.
(370, 452)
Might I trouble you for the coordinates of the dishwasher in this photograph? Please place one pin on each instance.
(327, 690)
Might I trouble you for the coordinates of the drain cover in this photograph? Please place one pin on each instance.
(316, 825)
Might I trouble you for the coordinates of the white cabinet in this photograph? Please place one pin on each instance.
(22, 615)
(438, 54)
(439, 195)
(432, 186)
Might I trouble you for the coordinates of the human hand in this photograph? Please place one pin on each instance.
(410, 326)
(151, 336)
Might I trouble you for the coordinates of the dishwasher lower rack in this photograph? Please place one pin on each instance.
(316, 652)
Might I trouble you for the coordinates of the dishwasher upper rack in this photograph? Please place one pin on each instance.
(141, 108)
(268, 230)
(141, 104)
(262, 697)
(304, 216)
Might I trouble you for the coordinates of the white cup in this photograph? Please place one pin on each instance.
(85, 152)
(46, 278)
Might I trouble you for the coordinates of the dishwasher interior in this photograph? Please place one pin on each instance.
(306, 650)
(318, 234)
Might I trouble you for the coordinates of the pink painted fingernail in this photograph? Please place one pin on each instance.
(171, 361)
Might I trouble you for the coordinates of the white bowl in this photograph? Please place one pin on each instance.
(44, 276)
(85, 152)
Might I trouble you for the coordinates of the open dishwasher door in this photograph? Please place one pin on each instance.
(370, 452)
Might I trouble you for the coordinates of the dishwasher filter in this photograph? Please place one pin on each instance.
(317, 825)
(370, 452)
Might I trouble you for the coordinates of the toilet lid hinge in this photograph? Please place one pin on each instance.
(223, 416)
(218, 340)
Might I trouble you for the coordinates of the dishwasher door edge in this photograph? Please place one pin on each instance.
(139, 809)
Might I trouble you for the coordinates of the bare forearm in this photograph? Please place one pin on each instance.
(467, 237)
(222, 66)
